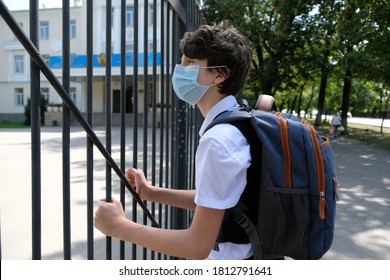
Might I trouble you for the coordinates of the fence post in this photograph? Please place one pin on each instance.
(35, 138)
(182, 141)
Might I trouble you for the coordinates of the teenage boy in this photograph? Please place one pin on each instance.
(214, 66)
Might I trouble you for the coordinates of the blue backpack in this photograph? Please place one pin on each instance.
(288, 207)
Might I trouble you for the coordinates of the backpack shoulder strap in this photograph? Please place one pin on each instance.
(240, 211)
(243, 220)
(240, 119)
(264, 103)
(230, 117)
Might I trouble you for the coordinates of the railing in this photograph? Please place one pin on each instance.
(171, 124)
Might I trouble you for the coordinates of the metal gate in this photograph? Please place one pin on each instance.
(166, 126)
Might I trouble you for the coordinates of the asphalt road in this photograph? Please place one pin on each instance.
(362, 227)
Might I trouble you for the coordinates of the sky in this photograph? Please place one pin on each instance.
(24, 4)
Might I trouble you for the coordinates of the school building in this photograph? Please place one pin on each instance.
(15, 68)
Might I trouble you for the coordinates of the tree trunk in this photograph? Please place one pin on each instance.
(321, 97)
(266, 86)
(300, 101)
(385, 112)
(345, 101)
(309, 102)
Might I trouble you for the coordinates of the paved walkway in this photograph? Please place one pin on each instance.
(363, 220)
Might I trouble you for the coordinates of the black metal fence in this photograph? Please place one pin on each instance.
(168, 132)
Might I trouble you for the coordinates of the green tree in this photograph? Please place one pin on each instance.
(323, 52)
(27, 110)
(377, 51)
(276, 31)
(363, 44)
(363, 97)
(321, 48)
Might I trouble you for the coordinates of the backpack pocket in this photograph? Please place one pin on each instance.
(284, 222)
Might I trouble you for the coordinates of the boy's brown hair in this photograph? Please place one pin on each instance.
(220, 46)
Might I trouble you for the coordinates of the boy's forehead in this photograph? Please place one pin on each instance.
(184, 58)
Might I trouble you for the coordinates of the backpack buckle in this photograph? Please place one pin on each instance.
(243, 221)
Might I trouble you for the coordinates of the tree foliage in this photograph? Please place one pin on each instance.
(43, 109)
(325, 55)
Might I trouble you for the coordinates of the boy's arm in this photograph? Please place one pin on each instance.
(196, 242)
(174, 197)
(178, 198)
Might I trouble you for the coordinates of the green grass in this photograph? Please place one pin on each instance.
(13, 125)
(370, 135)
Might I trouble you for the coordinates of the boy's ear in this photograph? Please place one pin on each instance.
(221, 77)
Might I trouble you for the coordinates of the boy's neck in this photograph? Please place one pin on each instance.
(208, 101)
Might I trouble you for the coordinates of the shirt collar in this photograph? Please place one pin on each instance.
(227, 103)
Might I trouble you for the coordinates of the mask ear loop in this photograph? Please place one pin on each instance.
(225, 74)
(220, 66)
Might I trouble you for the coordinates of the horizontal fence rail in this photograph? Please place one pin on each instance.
(162, 129)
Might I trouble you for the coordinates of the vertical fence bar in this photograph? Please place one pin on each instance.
(108, 113)
(90, 209)
(35, 139)
(123, 112)
(181, 139)
(162, 109)
(167, 110)
(154, 103)
(146, 101)
(172, 155)
(66, 132)
(135, 110)
(173, 160)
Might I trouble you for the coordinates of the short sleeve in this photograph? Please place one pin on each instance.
(222, 160)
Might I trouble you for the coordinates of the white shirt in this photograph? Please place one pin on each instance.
(222, 160)
(336, 120)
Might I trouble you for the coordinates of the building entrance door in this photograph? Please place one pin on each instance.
(117, 97)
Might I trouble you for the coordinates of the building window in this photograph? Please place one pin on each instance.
(129, 48)
(129, 16)
(45, 93)
(151, 16)
(44, 30)
(112, 17)
(72, 28)
(19, 98)
(73, 95)
(19, 64)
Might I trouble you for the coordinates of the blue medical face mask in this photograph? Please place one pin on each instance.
(185, 83)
